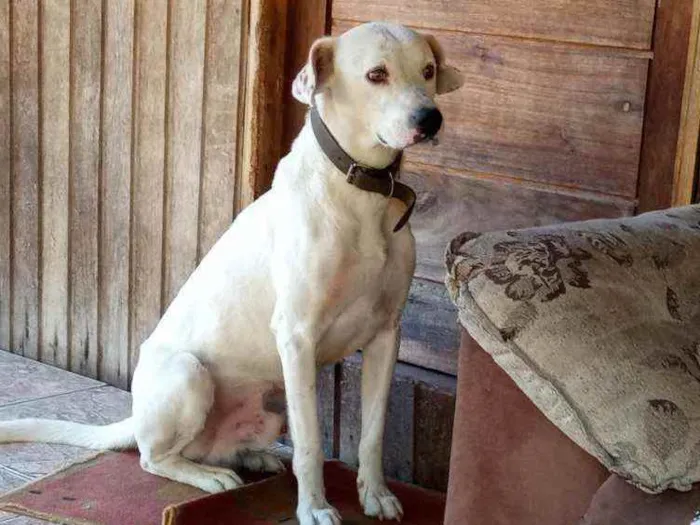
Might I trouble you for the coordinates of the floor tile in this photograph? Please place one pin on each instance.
(23, 379)
(14, 519)
(100, 406)
(10, 480)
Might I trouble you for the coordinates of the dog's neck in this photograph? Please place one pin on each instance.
(362, 147)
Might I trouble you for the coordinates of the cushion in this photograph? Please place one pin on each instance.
(598, 323)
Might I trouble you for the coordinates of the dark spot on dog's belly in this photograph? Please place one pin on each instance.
(275, 401)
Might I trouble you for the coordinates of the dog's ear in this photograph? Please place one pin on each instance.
(316, 72)
(448, 77)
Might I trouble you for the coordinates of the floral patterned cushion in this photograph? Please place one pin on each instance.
(598, 322)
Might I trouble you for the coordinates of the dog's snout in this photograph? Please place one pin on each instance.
(428, 121)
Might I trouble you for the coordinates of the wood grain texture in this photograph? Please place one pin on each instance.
(5, 177)
(350, 410)
(542, 112)
(115, 187)
(148, 153)
(306, 22)
(452, 201)
(687, 151)
(547, 112)
(25, 179)
(55, 167)
(663, 105)
(86, 57)
(219, 129)
(183, 142)
(625, 23)
(435, 408)
(327, 394)
(429, 328)
(262, 129)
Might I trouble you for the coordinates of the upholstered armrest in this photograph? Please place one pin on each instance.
(598, 323)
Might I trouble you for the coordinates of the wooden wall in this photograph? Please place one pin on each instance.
(118, 148)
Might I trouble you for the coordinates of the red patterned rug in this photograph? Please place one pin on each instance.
(112, 489)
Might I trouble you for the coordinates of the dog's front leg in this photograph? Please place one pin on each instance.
(378, 360)
(297, 351)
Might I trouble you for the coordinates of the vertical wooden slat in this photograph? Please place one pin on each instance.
(306, 22)
(25, 178)
(183, 142)
(55, 89)
(664, 100)
(399, 431)
(350, 411)
(148, 169)
(262, 135)
(116, 192)
(219, 130)
(687, 151)
(326, 395)
(5, 173)
(86, 35)
(435, 408)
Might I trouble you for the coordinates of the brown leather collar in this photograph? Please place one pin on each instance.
(377, 180)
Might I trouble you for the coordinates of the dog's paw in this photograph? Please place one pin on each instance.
(216, 479)
(324, 515)
(260, 461)
(379, 502)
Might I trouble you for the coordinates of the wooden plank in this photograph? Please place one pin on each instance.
(25, 179)
(262, 132)
(663, 105)
(451, 201)
(148, 170)
(86, 21)
(219, 134)
(399, 434)
(687, 150)
(306, 23)
(55, 128)
(349, 431)
(435, 409)
(183, 142)
(115, 195)
(5, 176)
(547, 112)
(326, 394)
(626, 23)
(429, 328)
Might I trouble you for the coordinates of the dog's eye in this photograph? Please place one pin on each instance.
(378, 75)
(429, 72)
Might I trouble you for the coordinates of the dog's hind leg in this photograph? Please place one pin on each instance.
(173, 393)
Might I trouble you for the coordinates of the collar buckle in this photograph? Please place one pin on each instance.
(350, 175)
(393, 185)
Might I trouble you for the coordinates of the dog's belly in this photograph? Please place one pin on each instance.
(243, 417)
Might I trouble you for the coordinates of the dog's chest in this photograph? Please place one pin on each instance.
(367, 296)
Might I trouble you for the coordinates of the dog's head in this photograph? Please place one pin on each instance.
(382, 79)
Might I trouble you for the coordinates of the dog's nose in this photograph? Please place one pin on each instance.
(428, 121)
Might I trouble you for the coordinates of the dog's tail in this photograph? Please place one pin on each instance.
(117, 436)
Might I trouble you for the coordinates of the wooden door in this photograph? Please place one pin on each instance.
(119, 140)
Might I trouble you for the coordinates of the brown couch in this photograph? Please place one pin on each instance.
(535, 437)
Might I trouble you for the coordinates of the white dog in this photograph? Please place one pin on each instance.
(309, 273)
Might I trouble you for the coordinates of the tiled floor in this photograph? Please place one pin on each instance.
(30, 389)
